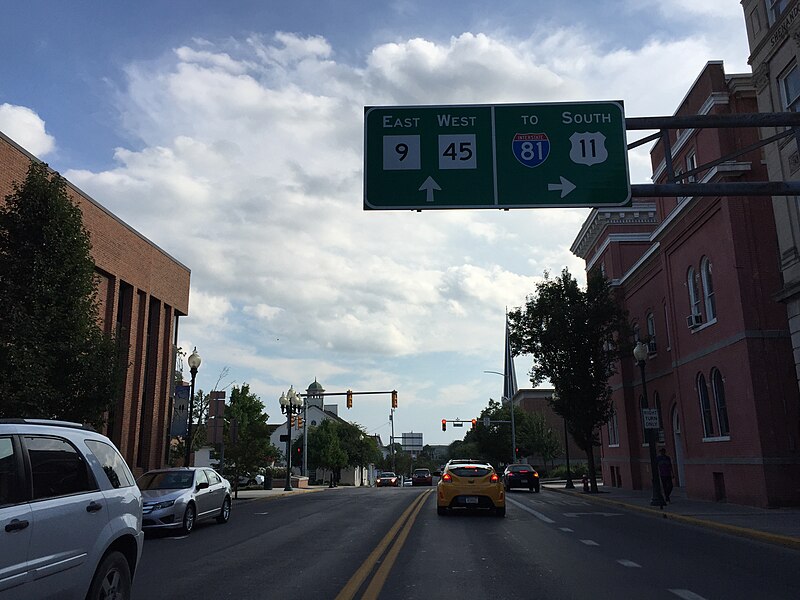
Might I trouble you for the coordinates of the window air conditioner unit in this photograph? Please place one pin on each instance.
(693, 321)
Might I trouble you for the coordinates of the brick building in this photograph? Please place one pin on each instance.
(773, 33)
(535, 400)
(699, 277)
(142, 293)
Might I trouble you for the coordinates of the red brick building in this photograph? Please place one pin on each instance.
(142, 292)
(699, 277)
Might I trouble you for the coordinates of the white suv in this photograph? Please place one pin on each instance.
(70, 513)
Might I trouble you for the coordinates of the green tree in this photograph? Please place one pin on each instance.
(545, 442)
(250, 448)
(575, 338)
(55, 361)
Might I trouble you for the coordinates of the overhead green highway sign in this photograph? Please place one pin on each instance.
(495, 156)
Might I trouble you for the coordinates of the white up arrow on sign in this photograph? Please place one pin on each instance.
(429, 185)
(566, 186)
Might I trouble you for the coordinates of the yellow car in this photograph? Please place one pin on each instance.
(472, 485)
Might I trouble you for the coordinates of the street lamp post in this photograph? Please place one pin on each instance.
(640, 354)
(194, 361)
(513, 427)
(290, 403)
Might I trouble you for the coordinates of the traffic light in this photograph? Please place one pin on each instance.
(394, 398)
(299, 422)
(444, 424)
(474, 422)
(349, 398)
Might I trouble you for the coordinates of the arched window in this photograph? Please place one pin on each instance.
(613, 428)
(694, 295)
(651, 334)
(660, 420)
(705, 406)
(708, 289)
(718, 388)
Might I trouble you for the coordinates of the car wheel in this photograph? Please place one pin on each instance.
(112, 580)
(225, 511)
(441, 511)
(188, 519)
(530, 489)
(500, 511)
(536, 489)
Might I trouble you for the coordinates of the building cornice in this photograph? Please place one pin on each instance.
(640, 213)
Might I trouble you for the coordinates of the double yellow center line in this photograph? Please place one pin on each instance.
(404, 523)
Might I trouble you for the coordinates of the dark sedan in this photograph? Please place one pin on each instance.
(421, 477)
(521, 476)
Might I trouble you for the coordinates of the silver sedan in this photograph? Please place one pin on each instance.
(177, 498)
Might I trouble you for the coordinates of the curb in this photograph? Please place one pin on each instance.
(772, 538)
(282, 494)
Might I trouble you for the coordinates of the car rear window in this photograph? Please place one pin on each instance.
(113, 464)
(470, 471)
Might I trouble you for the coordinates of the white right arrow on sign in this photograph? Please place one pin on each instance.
(566, 186)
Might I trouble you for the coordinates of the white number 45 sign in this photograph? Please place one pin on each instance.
(588, 148)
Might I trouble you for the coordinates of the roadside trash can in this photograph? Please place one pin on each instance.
(585, 480)
(268, 481)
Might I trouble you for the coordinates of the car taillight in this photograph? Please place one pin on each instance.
(494, 478)
(447, 477)
(535, 474)
(524, 471)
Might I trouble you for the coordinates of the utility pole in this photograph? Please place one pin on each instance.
(391, 418)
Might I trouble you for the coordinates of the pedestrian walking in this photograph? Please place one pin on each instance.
(665, 472)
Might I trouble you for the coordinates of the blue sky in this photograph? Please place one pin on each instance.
(230, 134)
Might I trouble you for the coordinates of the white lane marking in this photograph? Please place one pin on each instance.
(628, 563)
(592, 514)
(535, 513)
(264, 513)
(566, 529)
(590, 542)
(687, 595)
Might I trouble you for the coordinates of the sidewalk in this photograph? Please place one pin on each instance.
(774, 525)
(255, 494)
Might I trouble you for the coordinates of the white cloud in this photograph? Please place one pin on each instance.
(26, 128)
(249, 170)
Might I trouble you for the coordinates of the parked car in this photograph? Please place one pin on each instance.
(69, 509)
(472, 485)
(178, 498)
(524, 476)
(407, 481)
(387, 479)
(421, 477)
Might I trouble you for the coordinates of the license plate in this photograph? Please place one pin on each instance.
(471, 499)
(523, 481)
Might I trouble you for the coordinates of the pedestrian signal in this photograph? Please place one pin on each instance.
(349, 398)
(444, 424)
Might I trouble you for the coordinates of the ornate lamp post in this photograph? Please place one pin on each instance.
(290, 403)
(640, 354)
(194, 361)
